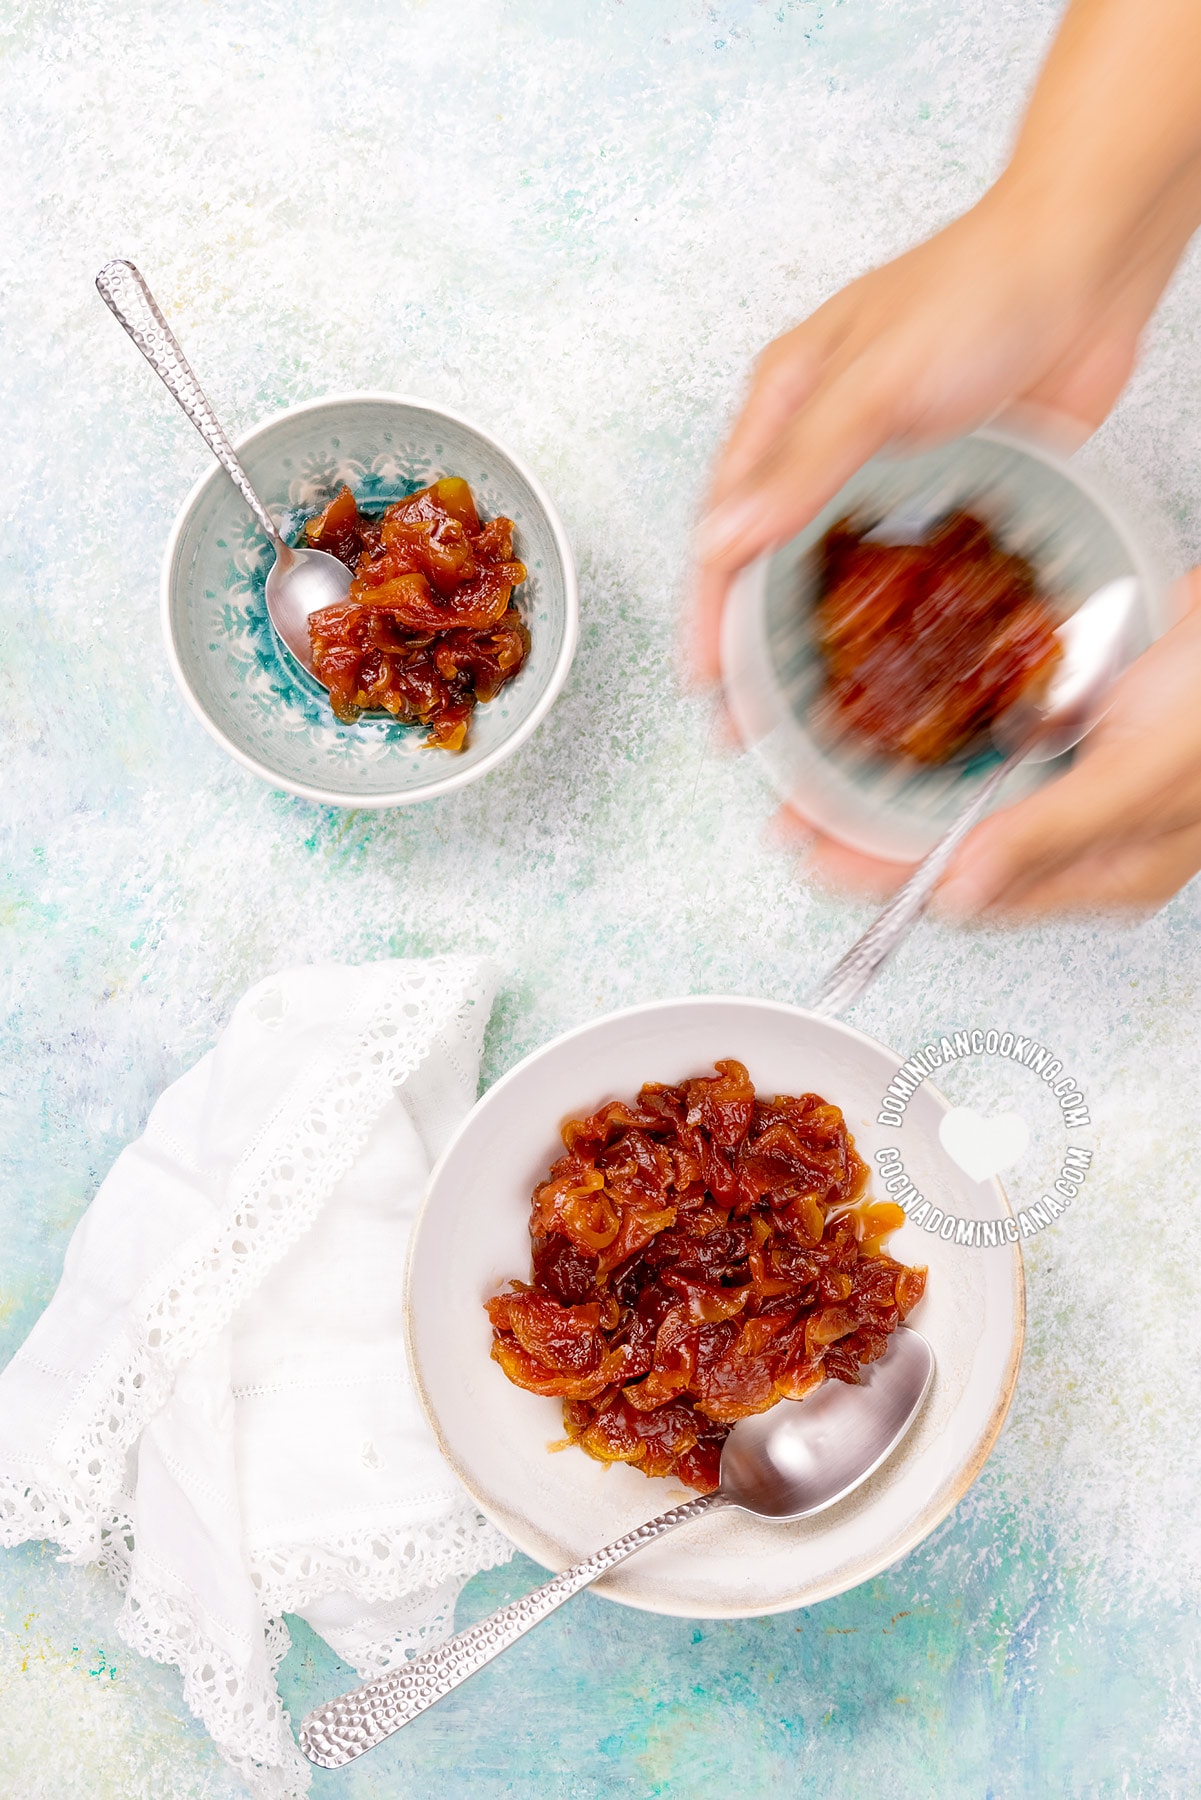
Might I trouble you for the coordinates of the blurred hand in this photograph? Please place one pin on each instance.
(993, 312)
(1121, 831)
(990, 314)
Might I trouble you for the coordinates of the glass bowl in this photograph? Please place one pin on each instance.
(1039, 505)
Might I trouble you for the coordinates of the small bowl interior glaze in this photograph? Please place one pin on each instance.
(245, 688)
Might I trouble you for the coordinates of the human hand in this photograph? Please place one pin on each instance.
(990, 324)
(1119, 833)
(1035, 299)
(1001, 309)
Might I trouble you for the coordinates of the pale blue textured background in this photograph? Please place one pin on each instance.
(575, 221)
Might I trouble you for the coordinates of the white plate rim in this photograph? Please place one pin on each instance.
(940, 1504)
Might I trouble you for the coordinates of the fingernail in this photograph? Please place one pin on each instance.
(721, 529)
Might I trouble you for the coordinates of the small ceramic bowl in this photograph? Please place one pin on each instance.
(1039, 504)
(244, 687)
(558, 1505)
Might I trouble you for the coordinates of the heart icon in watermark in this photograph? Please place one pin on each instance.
(983, 1147)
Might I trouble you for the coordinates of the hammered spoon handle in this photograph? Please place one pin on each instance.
(336, 1733)
(125, 293)
(855, 971)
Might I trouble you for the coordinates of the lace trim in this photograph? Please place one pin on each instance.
(42, 1508)
(246, 1719)
(397, 1560)
(277, 1190)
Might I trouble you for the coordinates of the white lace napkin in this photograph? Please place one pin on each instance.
(215, 1404)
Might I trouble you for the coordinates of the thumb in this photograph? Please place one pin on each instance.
(1136, 773)
(1040, 835)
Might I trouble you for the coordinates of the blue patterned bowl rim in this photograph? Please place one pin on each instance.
(445, 784)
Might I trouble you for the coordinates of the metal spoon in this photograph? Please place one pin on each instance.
(1098, 643)
(787, 1463)
(300, 582)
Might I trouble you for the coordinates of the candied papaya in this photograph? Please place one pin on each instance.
(699, 1253)
(429, 629)
(925, 645)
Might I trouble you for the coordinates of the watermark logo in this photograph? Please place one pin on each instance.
(983, 1145)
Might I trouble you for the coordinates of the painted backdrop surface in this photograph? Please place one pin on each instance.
(575, 221)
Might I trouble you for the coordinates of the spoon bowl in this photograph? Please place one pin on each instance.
(804, 1455)
(301, 582)
(253, 697)
(1098, 642)
(793, 1460)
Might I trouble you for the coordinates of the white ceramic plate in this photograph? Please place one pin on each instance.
(472, 1237)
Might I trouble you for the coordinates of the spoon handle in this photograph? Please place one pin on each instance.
(334, 1734)
(125, 293)
(866, 957)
